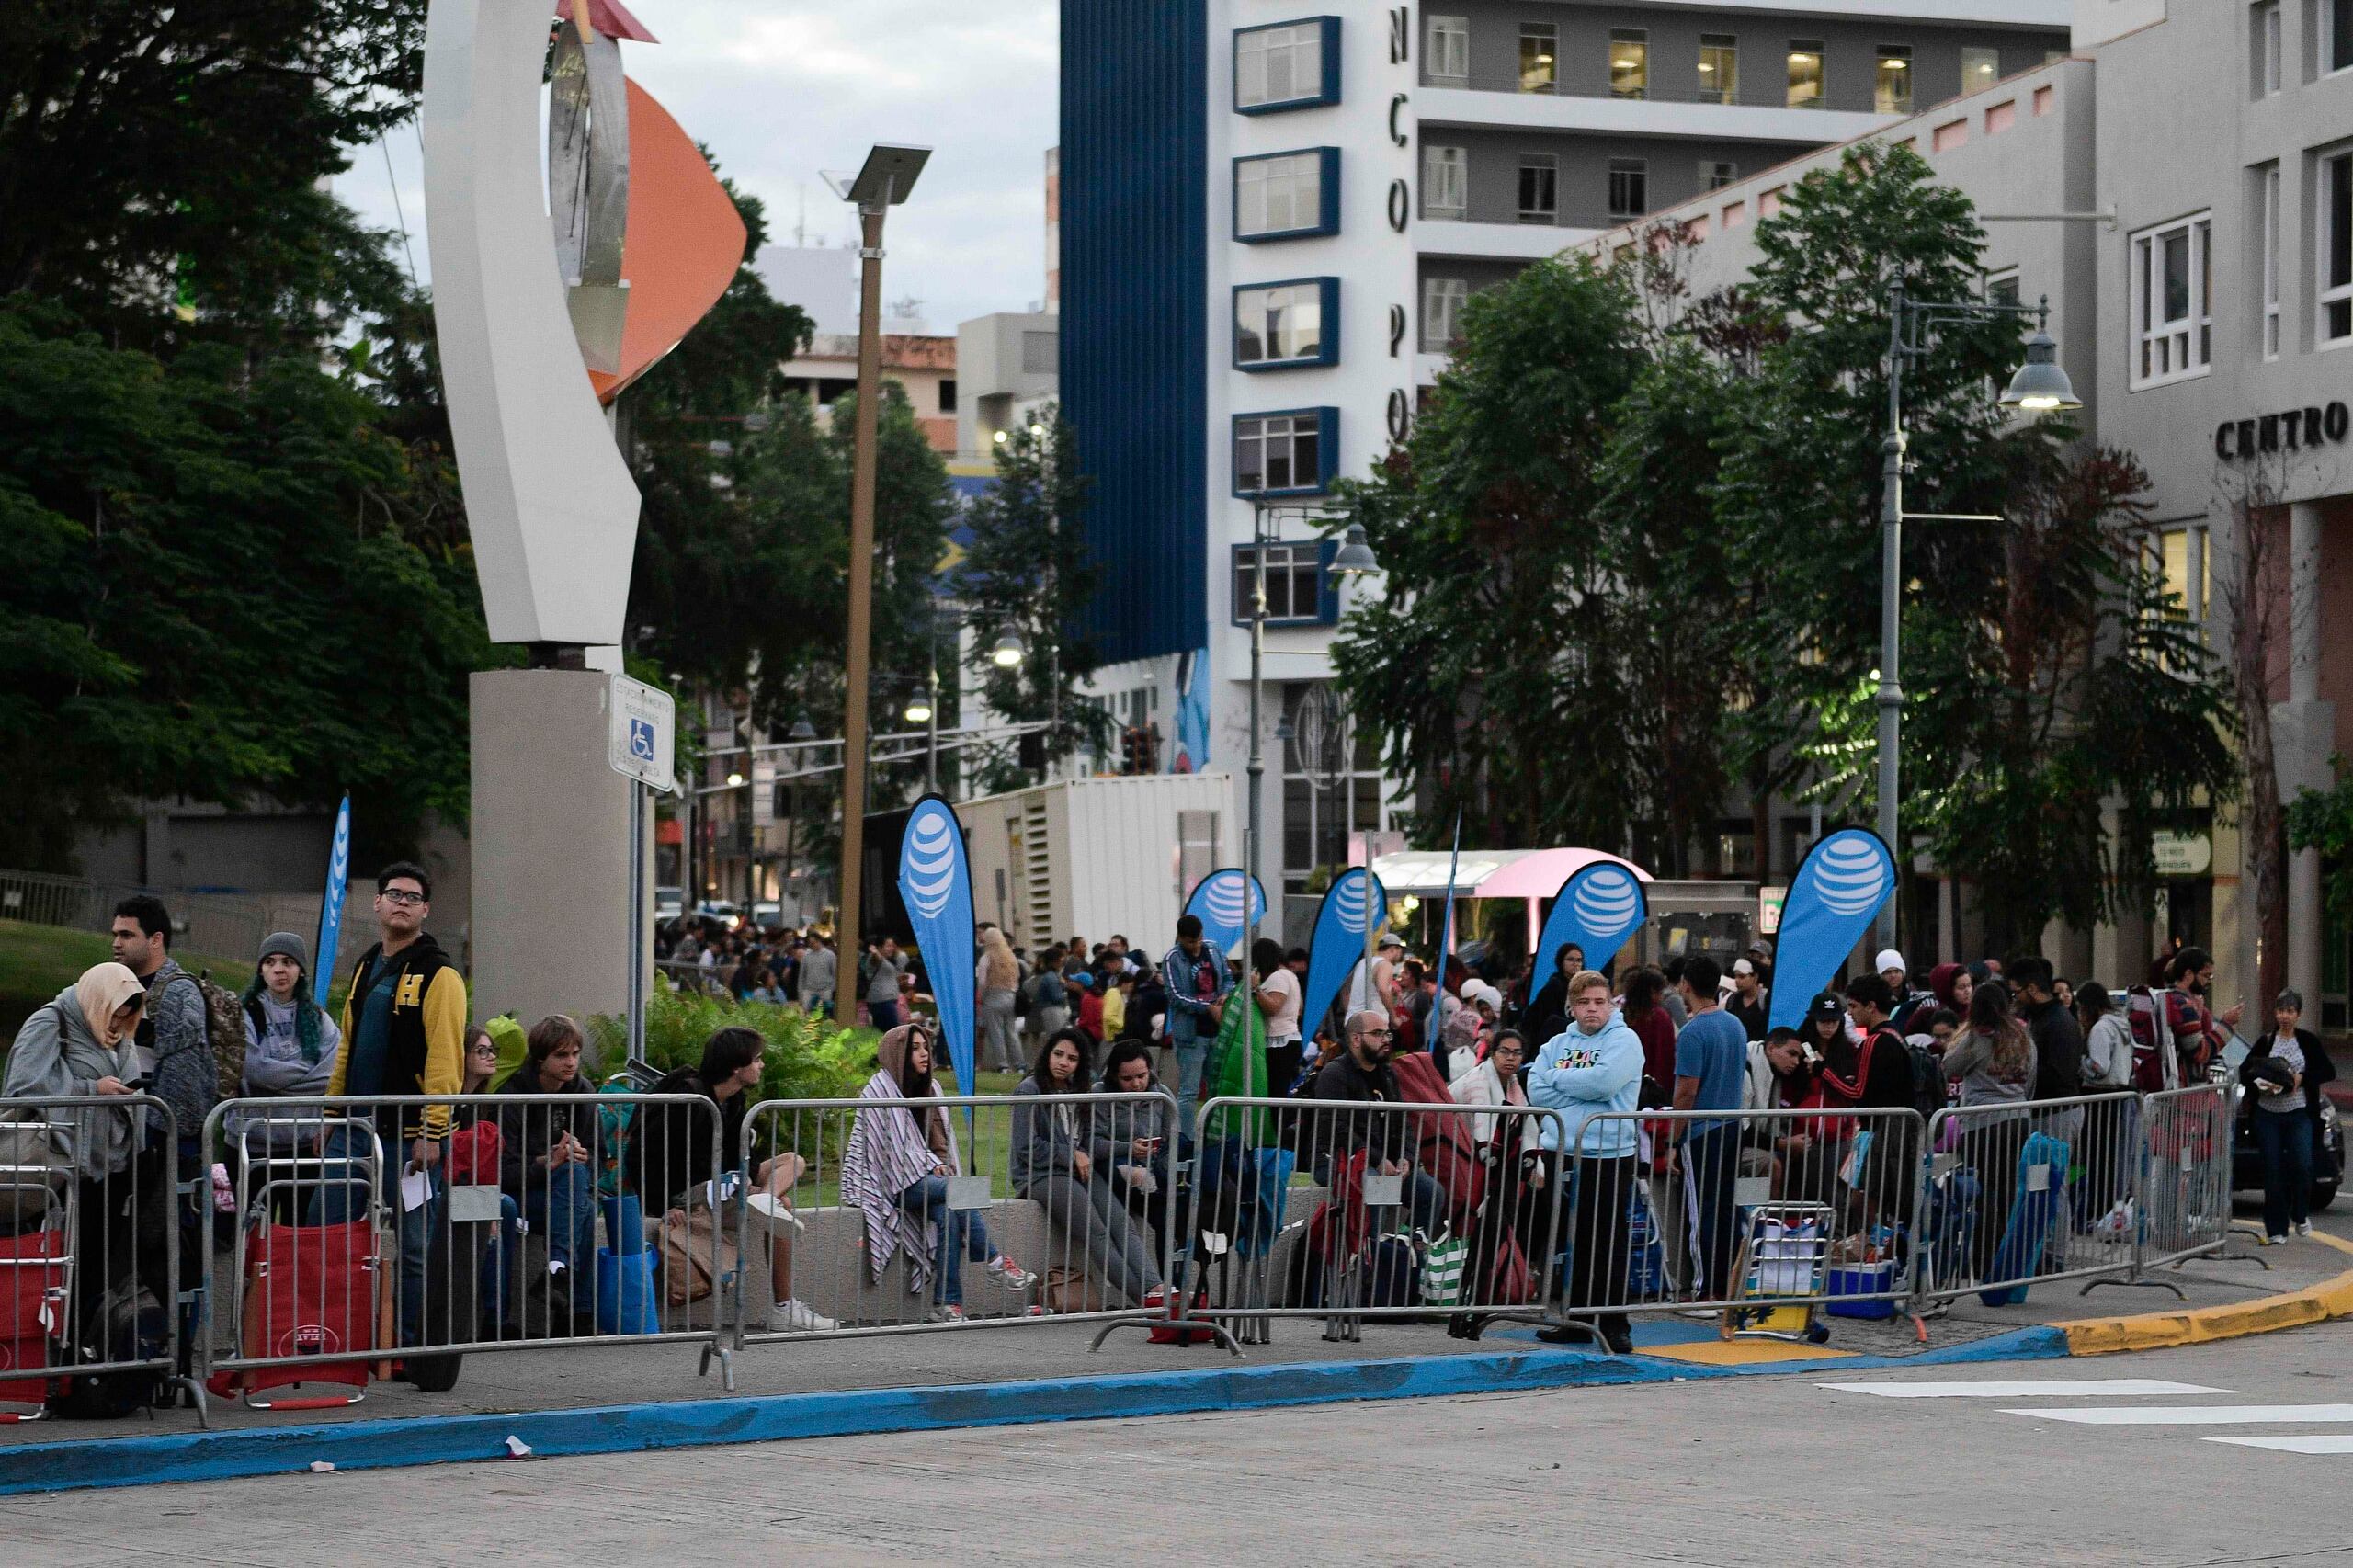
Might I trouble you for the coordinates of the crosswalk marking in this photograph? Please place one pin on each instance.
(1993, 1388)
(2193, 1415)
(2307, 1443)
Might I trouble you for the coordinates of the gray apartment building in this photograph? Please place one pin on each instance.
(2181, 188)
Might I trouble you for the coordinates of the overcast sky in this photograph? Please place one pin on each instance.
(779, 89)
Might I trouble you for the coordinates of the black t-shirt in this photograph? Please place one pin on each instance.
(1750, 1013)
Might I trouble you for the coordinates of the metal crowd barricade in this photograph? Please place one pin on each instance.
(2184, 1153)
(92, 1212)
(1765, 1217)
(1344, 1211)
(2019, 1192)
(523, 1226)
(878, 1216)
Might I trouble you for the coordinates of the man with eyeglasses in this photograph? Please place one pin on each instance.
(1362, 1076)
(405, 1025)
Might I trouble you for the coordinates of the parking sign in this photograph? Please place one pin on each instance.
(643, 727)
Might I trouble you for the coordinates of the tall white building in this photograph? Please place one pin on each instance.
(1269, 222)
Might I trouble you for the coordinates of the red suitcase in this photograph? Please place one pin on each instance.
(311, 1290)
(34, 1268)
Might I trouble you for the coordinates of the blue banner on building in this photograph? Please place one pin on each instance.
(1833, 900)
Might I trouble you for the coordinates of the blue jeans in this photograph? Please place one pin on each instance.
(563, 1207)
(344, 1195)
(502, 1255)
(1192, 1055)
(2286, 1139)
(960, 1230)
(885, 1015)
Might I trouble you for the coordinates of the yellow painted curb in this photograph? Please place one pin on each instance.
(2197, 1326)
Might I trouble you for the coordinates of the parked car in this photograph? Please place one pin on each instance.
(2246, 1158)
(670, 903)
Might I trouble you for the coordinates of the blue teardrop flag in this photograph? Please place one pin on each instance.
(1217, 902)
(936, 883)
(1338, 946)
(330, 912)
(1833, 900)
(1598, 908)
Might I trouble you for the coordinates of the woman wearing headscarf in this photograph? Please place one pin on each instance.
(291, 1046)
(895, 1169)
(82, 1042)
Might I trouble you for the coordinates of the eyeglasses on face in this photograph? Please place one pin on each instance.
(402, 896)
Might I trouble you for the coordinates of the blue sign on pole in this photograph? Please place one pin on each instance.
(330, 912)
(1355, 898)
(1833, 900)
(935, 881)
(1597, 909)
(1217, 902)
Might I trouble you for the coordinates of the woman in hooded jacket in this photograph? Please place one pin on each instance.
(895, 1169)
(84, 1042)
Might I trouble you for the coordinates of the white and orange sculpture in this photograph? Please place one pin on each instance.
(542, 317)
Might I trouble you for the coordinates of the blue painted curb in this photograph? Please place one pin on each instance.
(627, 1428)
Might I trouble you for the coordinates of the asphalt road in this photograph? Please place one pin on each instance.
(1723, 1472)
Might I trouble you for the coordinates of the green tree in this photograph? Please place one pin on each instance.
(1022, 574)
(1495, 656)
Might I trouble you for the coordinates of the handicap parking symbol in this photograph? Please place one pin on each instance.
(640, 740)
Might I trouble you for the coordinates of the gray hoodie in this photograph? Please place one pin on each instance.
(55, 1053)
(273, 1064)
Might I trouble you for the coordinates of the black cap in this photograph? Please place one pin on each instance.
(1826, 1008)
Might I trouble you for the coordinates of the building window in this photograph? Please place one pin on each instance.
(1277, 325)
(1445, 51)
(1630, 188)
(1735, 214)
(2335, 226)
(1287, 194)
(2001, 117)
(1805, 72)
(1295, 65)
(1446, 183)
(2263, 48)
(1715, 173)
(1980, 68)
(2335, 39)
(1945, 137)
(2171, 284)
(1539, 55)
(1768, 202)
(2002, 288)
(1719, 68)
(1892, 87)
(1442, 303)
(2270, 221)
(1630, 62)
(1294, 582)
(1283, 454)
(2181, 559)
(1540, 187)
(947, 394)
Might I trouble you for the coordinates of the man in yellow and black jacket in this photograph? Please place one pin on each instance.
(403, 1031)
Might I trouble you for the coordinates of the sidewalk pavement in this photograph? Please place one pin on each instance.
(1028, 1350)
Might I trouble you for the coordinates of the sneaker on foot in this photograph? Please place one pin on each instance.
(947, 1314)
(1009, 1274)
(768, 1206)
(2275, 1240)
(798, 1317)
(2303, 1227)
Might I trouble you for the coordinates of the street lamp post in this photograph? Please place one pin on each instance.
(888, 175)
(2039, 386)
(1007, 652)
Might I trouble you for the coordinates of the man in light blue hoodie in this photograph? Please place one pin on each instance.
(1592, 1069)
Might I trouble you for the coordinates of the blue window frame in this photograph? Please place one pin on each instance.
(1301, 589)
(1287, 65)
(1282, 326)
(1286, 195)
(1286, 451)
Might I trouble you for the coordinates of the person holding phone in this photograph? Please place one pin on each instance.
(548, 1164)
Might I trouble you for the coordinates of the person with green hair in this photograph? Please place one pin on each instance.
(290, 1045)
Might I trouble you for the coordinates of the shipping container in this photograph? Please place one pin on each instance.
(1099, 857)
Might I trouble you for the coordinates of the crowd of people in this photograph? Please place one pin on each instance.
(1593, 1046)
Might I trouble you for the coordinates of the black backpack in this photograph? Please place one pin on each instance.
(128, 1325)
(1928, 1080)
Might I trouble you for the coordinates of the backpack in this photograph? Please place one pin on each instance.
(128, 1325)
(224, 1029)
(1928, 1081)
(2170, 1045)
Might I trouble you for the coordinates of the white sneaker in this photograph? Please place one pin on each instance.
(768, 1206)
(2275, 1240)
(2303, 1227)
(1009, 1274)
(796, 1317)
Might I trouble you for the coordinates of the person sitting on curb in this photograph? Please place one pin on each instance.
(895, 1169)
(1054, 1167)
(548, 1164)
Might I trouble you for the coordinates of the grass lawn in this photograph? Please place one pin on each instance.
(38, 961)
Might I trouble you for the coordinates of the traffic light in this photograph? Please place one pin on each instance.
(1131, 750)
(1150, 735)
